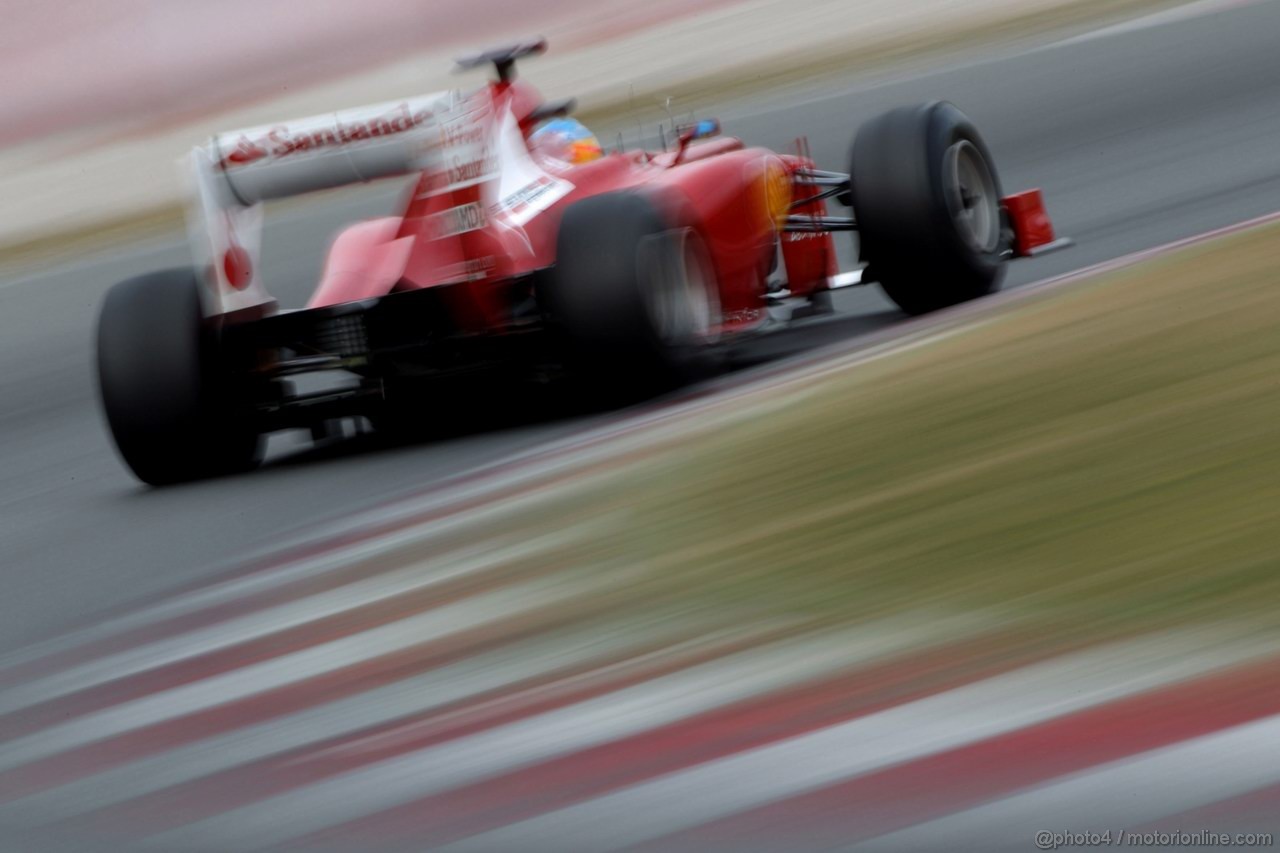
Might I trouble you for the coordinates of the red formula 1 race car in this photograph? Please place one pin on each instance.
(631, 269)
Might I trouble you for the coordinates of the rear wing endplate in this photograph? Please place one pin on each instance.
(234, 173)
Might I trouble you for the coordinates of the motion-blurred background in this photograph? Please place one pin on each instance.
(910, 584)
(103, 97)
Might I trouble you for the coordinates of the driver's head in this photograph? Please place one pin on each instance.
(567, 140)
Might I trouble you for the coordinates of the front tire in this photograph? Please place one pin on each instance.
(926, 197)
(175, 410)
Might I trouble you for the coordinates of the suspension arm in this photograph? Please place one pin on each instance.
(801, 224)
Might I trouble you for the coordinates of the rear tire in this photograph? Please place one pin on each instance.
(175, 410)
(633, 293)
(927, 201)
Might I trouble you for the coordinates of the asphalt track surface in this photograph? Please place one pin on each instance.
(1138, 138)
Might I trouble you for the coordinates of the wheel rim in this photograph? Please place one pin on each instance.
(682, 299)
(972, 197)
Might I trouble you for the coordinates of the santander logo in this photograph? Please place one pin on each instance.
(246, 151)
(331, 131)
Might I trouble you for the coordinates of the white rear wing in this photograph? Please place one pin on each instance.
(234, 173)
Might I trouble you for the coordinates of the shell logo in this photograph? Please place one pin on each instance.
(777, 193)
(246, 151)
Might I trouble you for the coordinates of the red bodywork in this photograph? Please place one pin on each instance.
(736, 197)
(1032, 228)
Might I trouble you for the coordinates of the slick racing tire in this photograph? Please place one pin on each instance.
(634, 294)
(926, 198)
(176, 413)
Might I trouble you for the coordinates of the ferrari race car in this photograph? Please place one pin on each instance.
(633, 270)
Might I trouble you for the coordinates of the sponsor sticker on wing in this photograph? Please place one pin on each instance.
(464, 153)
(532, 198)
(316, 135)
(472, 269)
(457, 220)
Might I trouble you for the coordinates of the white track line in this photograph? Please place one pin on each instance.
(615, 653)
(234, 589)
(728, 786)
(414, 577)
(1123, 795)
(1178, 14)
(236, 684)
(621, 714)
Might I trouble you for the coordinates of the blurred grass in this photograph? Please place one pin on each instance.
(1097, 461)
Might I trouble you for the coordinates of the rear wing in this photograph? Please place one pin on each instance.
(234, 173)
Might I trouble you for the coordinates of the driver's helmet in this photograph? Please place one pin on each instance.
(567, 140)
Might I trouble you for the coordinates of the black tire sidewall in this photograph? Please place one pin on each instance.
(906, 231)
(172, 407)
